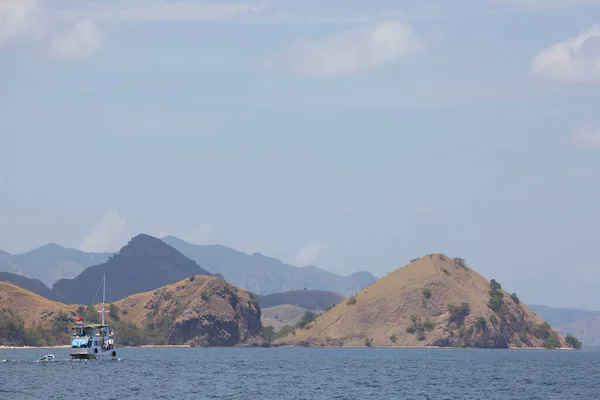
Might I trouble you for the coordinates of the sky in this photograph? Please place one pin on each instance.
(351, 135)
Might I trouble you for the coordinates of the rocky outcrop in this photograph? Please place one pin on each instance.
(200, 311)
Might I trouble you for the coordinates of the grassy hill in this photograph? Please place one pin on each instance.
(199, 310)
(144, 264)
(32, 285)
(30, 319)
(433, 301)
(265, 275)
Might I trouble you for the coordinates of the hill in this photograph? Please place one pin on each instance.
(264, 275)
(563, 316)
(50, 263)
(29, 319)
(282, 315)
(433, 301)
(199, 310)
(32, 285)
(144, 264)
(307, 299)
(586, 330)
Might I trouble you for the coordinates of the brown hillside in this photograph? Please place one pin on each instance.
(205, 311)
(31, 307)
(201, 310)
(411, 307)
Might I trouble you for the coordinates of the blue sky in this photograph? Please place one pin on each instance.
(351, 135)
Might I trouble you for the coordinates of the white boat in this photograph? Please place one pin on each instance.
(47, 357)
(93, 341)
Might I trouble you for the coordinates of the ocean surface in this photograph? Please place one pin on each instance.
(303, 373)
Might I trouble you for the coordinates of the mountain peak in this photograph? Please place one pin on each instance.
(144, 264)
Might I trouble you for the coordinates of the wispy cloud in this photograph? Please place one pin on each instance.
(82, 40)
(21, 20)
(572, 60)
(107, 235)
(547, 4)
(72, 29)
(586, 136)
(163, 10)
(309, 253)
(204, 234)
(349, 51)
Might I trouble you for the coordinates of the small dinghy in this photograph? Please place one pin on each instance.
(47, 357)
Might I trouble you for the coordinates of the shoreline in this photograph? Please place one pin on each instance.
(182, 346)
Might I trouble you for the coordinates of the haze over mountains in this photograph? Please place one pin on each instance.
(583, 324)
(50, 263)
(146, 263)
(264, 275)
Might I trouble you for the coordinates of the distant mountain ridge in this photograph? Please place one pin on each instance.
(583, 324)
(50, 263)
(144, 264)
(308, 299)
(265, 275)
(32, 285)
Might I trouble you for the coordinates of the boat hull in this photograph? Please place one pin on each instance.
(90, 354)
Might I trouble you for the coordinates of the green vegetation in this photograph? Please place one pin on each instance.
(91, 315)
(494, 285)
(253, 300)
(419, 327)
(427, 293)
(393, 338)
(351, 300)
(369, 342)
(192, 278)
(480, 324)
(515, 298)
(459, 313)
(573, 342)
(461, 262)
(306, 319)
(268, 333)
(552, 342)
(544, 331)
(495, 303)
(114, 312)
(14, 332)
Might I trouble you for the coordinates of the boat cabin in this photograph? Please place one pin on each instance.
(92, 336)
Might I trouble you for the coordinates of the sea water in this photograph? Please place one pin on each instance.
(303, 373)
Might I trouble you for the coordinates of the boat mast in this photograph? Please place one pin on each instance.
(103, 297)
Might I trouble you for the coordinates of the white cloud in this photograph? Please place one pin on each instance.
(80, 41)
(107, 235)
(161, 10)
(71, 30)
(204, 234)
(572, 60)
(20, 19)
(545, 4)
(586, 135)
(349, 51)
(309, 253)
